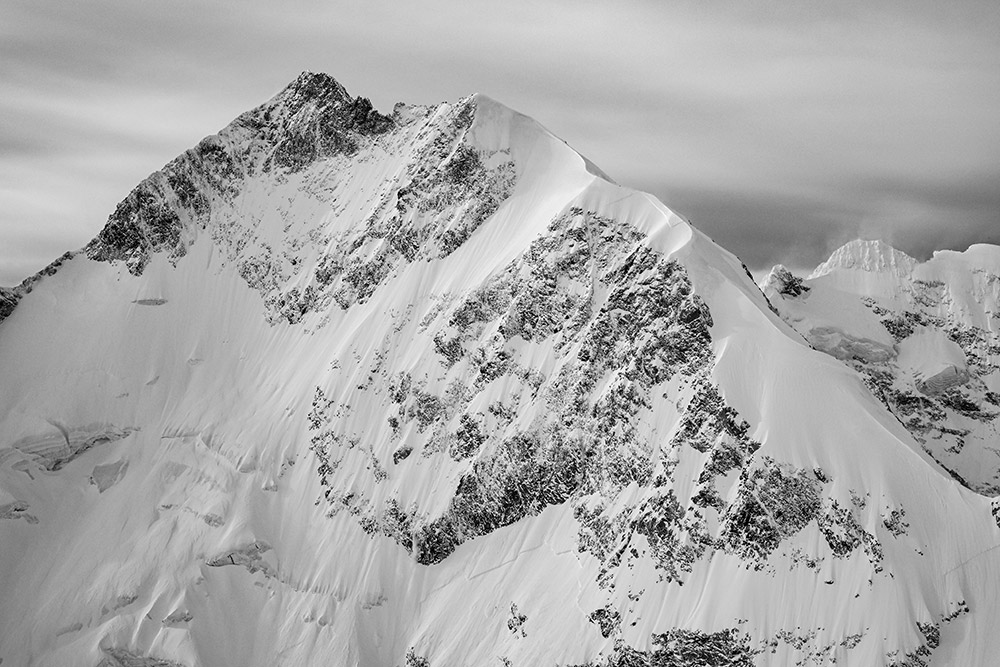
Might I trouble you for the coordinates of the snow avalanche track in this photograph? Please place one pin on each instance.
(343, 388)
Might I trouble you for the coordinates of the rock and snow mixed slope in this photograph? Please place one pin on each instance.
(926, 336)
(336, 387)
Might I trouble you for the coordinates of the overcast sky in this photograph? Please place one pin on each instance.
(780, 129)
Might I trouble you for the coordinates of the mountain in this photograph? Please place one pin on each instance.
(429, 389)
(925, 336)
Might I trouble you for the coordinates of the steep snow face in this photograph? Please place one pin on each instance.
(925, 335)
(430, 389)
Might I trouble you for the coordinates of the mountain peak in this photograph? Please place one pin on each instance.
(339, 378)
(313, 99)
(313, 86)
(868, 255)
(312, 118)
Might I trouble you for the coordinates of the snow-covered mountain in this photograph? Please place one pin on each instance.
(926, 337)
(429, 389)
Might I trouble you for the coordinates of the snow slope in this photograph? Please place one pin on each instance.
(429, 389)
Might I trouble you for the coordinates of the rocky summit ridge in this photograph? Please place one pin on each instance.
(427, 388)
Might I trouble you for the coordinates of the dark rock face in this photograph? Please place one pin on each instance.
(686, 648)
(121, 657)
(788, 284)
(312, 118)
(8, 300)
(774, 503)
(332, 128)
(142, 223)
(414, 660)
(607, 620)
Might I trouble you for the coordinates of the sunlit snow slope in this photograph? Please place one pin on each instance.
(428, 389)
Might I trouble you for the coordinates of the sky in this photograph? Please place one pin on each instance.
(782, 130)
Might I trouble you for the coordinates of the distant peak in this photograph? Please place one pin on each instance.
(868, 255)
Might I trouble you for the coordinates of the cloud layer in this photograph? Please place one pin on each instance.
(781, 131)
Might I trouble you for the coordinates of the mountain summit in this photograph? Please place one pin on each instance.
(428, 389)
(870, 256)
